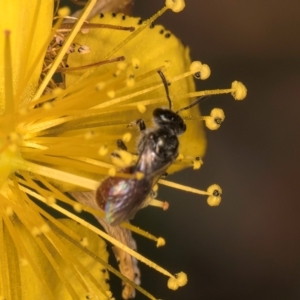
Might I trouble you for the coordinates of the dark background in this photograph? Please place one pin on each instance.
(249, 246)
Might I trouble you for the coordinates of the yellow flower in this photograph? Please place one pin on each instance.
(56, 136)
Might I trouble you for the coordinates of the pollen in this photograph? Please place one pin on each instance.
(112, 172)
(126, 137)
(239, 90)
(175, 5)
(214, 192)
(160, 242)
(200, 71)
(213, 122)
(141, 108)
(177, 281)
(9, 211)
(77, 207)
(103, 150)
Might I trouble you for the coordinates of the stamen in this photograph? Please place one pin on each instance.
(157, 203)
(175, 5)
(56, 174)
(9, 97)
(213, 122)
(214, 192)
(21, 250)
(159, 240)
(182, 187)
(177, 281)
(88, 25)
(200, 71)
(238, 91)
(101, 233)
(96, 64)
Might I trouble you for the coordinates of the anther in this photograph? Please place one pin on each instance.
(103, 150)
(160, 242)
(121, 158)
(84, 242)
(141, 108)
(175, 5)
(77, 207)
(177, 281)
(215, 193)
(201, 71)
(126, 137)
(239, 90)
(215, 119)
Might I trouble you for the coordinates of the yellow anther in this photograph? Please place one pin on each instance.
(77, 207)
(141, 108)
(35, 231)
(239, 90)
(45, 228)
(121, 158)
(197, 164)
(103, 150)
(100, 86)
(175, 5)
(215, 119)
(135, 63)
(201, 71)
(112, 172)
(84, 242)
(9, 211)
(89, 135)
(64, 11)
(177, 281)
(50, 200)
(126, 137)
(111, 94)
(214, 192)
(160, 242)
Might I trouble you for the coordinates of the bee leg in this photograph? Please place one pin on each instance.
(164, 175)
(121, 145)
(153, 194)
(141, 124)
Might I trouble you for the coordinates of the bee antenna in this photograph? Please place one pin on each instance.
(166, 85)
(198, 100)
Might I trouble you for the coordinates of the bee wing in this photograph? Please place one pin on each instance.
(125, 198)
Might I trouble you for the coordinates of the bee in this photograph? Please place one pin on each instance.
(157, 149)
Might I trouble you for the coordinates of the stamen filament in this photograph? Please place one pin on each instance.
(56, 174)
(22, 250)
(69, 26)
(209, 92)
(182, 187)
(96, 64)
(101, 233)
(9, 97)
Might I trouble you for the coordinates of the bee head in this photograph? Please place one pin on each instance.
(169, 119)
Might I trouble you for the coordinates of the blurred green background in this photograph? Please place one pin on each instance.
(248, 247)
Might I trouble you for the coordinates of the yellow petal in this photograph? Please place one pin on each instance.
(29, 24)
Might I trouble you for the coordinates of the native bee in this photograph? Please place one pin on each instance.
(157, 149)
